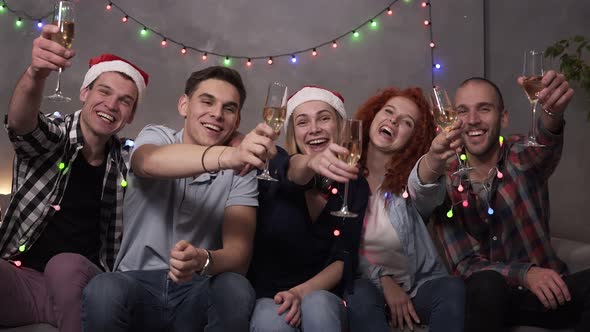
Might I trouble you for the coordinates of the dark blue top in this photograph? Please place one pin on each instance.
(289, 248)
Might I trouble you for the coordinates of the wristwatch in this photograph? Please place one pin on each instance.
(208, 262)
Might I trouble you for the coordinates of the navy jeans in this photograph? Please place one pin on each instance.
(150, 301)
(440, 303)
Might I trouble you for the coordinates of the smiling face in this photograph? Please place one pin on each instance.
(478, 106)
(211, 113)
(108, 105)
(393, 126)
(315, 126)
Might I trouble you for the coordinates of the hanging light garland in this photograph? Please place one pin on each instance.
(184, 48)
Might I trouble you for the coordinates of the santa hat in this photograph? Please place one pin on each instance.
(310, 93)
(109, 62)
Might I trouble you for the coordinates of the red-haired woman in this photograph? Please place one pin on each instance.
(398, 260)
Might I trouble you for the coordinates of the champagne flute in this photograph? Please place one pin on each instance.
(274, 114)
(351, 139)
(533, 72)
(63, 18)
(444, 116)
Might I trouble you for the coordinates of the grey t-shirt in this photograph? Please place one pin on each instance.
(160, 212)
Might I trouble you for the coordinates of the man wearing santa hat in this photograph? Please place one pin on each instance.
(64, 222)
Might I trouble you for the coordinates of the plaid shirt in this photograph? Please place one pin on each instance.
(515, 235)
(39, 179)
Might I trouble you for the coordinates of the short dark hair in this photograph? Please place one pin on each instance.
(490, 83)
(228, 75)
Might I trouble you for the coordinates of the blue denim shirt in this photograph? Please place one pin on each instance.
(407, 217)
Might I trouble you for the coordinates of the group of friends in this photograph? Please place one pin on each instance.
(183, 237)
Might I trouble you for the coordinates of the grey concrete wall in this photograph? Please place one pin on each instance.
(397, 53)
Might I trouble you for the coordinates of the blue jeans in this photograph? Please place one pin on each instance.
(150, 301)
(440, 303)
(320, 311)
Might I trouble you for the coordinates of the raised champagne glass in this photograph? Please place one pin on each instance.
(445, 115)
(63, 18)
(274, 114)
(533, 72)
(351, 139)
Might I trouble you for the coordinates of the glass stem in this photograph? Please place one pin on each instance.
(345, 202)
(461, 164)
(533, 131)
(58, 87)
(266, 171)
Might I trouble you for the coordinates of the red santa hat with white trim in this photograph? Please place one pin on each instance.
(311, 93)
(110, 62)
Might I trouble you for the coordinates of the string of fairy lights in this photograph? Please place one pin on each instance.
(185, 48)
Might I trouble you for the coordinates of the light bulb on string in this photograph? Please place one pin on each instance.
(314, 52)
(249, 62)
(204, 56)
(432, 45)
(465, 203)
(437, 66)
(389, 11)
(424, 4)
(460, 188)
(269, 61)
(110, 6)
(183, 50)
(334, 44)
(405, 193)
(39, 24)
(19, 22)
(501, 139)
(227, 61)
(334, 191)
(355, 34)
(426, 22)
(336, 232)
(293, 59)
(125, 19)
(500, 174)
(450, 213)
(373, 24)
(164, 42)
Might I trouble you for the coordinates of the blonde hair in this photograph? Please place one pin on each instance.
(291, 143)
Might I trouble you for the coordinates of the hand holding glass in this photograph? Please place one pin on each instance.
(63, 18)
(445, 115)
(351, 139)
(274, 113)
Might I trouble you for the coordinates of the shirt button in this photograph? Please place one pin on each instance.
(495, 238)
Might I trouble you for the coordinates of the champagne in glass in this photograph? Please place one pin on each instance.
(351, 139)
(274, 114)
(533, 72)
(275, 117)
(532, 86)
(445, 115)
(63, 18)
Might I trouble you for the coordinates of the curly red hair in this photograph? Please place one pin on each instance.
(400, 165)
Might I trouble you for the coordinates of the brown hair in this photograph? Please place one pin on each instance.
(400, 165)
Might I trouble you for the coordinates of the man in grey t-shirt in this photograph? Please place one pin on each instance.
(189, 220)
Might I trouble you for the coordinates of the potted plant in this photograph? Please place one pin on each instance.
(571, 54)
